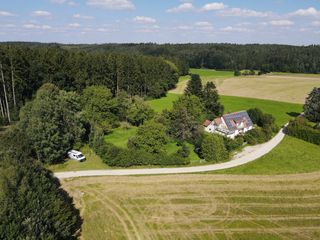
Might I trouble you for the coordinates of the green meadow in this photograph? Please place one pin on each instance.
(291, 156)
(282, 111)
(209, 73)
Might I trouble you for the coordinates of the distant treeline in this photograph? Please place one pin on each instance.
(264, 57)
(267, 58)
(23, 69)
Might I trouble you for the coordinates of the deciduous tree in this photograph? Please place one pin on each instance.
(213, 149)
(151, 137)
(52, 123)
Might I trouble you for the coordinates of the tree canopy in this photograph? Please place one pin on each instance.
(213, 149)
(33, 206)
(151, 137)
(194, 86)
(52, 123)
(312, 106)
(185, 117)
(210, 99)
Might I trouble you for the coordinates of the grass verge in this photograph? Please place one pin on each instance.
(292, 155)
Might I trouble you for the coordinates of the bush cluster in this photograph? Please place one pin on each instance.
(300, 128)
(265, 127)
(258, 135)
(233, 144)
(3, 121)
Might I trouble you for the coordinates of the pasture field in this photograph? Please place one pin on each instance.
(285, 87)
(282, 111)
(292, 155)
(198, 207)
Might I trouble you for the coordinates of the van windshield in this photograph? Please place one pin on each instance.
(80, 156)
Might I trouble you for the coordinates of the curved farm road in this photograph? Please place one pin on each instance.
(249, 154)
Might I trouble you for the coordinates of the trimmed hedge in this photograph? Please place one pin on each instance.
(299, 128)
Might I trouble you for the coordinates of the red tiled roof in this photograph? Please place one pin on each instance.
(218, 121)
(206, 123)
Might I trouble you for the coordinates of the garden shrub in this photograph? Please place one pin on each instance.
(258, 135)
(184, 151)
(233, 144)
(262, 119)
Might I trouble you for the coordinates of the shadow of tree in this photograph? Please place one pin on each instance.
(293, 114)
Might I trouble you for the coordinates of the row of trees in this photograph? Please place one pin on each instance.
(24, 69)
(264, 57)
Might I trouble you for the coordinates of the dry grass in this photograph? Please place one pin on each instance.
(199, 207)
(293, 89)
(283, 87)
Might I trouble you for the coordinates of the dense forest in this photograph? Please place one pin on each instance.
(23, 69)
(267, 58)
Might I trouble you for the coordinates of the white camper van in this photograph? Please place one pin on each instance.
(76, 155)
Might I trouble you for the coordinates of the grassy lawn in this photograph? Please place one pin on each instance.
(120, 136)
(292, 155)
(161, 104)
(93, 162)
(209, 73)
(198, 206)
(282, 111)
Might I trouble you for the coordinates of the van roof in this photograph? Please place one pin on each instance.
(75, 152)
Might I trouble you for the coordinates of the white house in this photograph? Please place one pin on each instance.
(230, 125)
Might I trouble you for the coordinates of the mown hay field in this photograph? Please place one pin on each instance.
(285, 87)
(199, 206)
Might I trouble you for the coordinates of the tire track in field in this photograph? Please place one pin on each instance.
(116, 214)
(122, 210)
